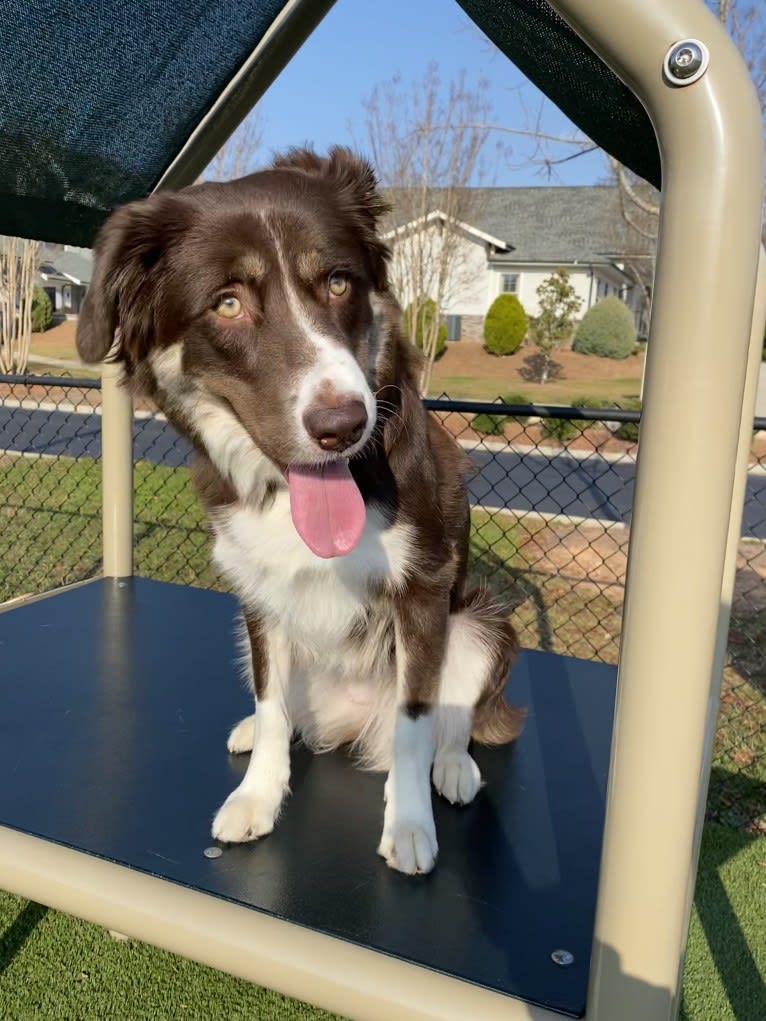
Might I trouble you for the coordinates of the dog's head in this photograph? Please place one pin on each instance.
(255, 307)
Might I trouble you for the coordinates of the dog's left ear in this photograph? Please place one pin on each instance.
(124, 290)
(353, 180)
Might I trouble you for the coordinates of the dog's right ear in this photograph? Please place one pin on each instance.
(124, 292)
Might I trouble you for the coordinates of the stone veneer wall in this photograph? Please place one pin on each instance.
(472, 329)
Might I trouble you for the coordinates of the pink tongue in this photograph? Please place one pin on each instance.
(327, 508)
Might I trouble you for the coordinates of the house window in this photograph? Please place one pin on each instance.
(510, 283)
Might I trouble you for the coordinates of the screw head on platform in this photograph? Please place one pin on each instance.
(563, 958)
(212, 852)
(686, 61)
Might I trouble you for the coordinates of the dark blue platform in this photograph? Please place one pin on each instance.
(116, 701)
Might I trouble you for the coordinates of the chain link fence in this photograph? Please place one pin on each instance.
(551, 493)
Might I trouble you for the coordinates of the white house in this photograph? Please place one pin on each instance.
(511, 239)
(65, 273)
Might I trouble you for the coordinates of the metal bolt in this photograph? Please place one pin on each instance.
(686, 62)
(212, 852)
(563, 958)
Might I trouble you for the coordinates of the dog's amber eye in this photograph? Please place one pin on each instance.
(229, 307)
(338, 284)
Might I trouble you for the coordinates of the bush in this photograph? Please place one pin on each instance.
(517, 398)
(505, 325)
(42, 313)
(426, 310)
(607, 330)
(561, 429)
(628, 430)
(489, 425)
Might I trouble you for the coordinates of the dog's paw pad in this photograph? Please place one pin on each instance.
(456, 777)
(242, 736)
(409, 848)
(244, 817)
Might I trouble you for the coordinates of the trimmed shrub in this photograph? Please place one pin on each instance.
(517, 398)
(607, 330)
(628, 430)
(505, 325)
(42, 313)
(561, 429)
(425, 316)
(489, 425)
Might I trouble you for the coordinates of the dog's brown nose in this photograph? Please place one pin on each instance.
(336, 428)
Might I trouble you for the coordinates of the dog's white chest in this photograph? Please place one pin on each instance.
(316, 601)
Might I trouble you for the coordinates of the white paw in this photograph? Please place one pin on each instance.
(244, 817)
(456, 777)
(408, 847)
(242, 736)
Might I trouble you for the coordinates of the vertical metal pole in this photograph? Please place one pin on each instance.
(732, 552)
(117, 473)
(710, 138)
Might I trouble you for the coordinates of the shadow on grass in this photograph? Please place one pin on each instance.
(511, 586)
(19, 931)
(729, 948)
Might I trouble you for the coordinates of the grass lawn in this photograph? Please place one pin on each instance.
(467, 371)
(52, 966)
(474, 388)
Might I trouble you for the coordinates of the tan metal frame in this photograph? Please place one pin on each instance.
(282, 40)
(116, 472)
(698, 404)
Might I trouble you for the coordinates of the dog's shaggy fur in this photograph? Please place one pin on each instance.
(257, 315)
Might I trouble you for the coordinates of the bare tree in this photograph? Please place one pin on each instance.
(18, 267)
(426, 143)
(238, 155)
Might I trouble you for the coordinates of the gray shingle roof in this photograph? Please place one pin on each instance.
(551, 224)
(74, 264)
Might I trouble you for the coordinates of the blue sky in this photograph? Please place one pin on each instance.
(362, 43)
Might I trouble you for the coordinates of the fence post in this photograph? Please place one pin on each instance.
(117, 472)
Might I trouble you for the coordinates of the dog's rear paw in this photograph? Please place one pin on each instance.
(242, 736)
(456, 777)
(409, 848)
(245, 817)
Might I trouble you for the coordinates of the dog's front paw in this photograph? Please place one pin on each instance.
(245, 816)
(242, 737)
(409, 847)
(456, 777)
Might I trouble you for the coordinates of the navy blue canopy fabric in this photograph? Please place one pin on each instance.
(544, 47)
(98, 96)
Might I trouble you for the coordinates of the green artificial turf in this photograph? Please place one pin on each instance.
(57, 968)
(725, 973)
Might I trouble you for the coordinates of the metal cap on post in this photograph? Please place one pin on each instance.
(117, 472)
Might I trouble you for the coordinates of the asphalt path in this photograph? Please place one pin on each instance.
(553, 483)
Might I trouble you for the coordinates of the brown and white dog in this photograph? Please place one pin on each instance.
(256, 313)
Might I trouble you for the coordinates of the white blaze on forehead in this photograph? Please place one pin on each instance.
(332, 364)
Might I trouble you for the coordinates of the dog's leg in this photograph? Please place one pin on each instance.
(464, 675)
(242, 736)
(409, 835)
(251, 810)
(480, 647)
